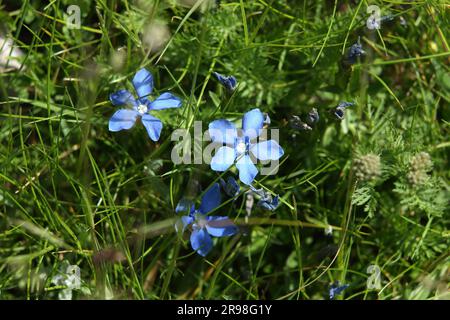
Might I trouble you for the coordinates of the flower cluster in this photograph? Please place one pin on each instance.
(367, 167)
(237, 147)
(419, 165)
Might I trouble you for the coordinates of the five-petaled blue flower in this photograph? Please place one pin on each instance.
(224, 132)
(204, 226)
(125, 119)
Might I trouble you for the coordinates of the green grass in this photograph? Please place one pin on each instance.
(72, 192)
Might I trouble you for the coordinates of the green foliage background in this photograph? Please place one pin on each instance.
(72, 192)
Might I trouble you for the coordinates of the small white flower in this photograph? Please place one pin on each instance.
(328, 230)
(9, 55)
(71, 280)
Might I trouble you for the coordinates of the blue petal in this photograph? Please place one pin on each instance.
(223, 159)
(267, 150)
(222, 131)
(252, 123)
(220, 226)
(144, 101)
(122, 119)
(247, 170)
(153, 126)
(232, 82)
(165, 101)
(185, 206)
(211, 199)
(143, 83)
(184, 221)
(122, 97)
(201, 241)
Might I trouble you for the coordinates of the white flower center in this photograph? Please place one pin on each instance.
(142, 108)
(240, 147)
(201, 222)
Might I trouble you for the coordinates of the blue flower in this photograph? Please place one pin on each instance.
(231, 187)
(124, 119)
(336, 289)
(229, 82)
(238, 147)
(204, 226)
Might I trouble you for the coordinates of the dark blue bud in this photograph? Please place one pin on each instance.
(313, 116)
(231, 187)
(336, 289)
(298, 124)
(353, 53)
(339, 113)
(268, 202)
(228, 82)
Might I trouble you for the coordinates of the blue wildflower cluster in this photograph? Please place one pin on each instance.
(237, 147)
